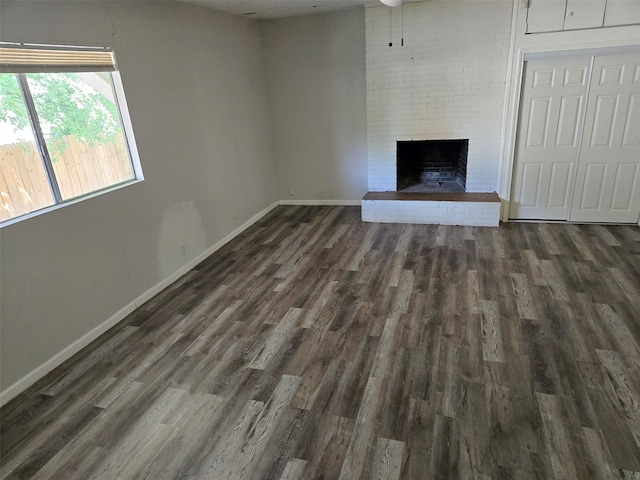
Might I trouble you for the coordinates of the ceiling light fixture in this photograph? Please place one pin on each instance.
(393, 3)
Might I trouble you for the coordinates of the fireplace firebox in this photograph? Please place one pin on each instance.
(432, 165)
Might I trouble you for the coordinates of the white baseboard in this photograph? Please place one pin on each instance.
(350, 203)
(153, 291)
(59, 358)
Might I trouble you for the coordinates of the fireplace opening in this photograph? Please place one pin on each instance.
(432, 165)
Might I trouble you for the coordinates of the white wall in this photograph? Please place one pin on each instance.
(447, 82)
(316, 81)
(196, 90)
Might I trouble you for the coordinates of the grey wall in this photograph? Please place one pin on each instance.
(196, 89)
(317, 95)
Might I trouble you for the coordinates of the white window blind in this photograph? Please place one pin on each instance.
(25, 59)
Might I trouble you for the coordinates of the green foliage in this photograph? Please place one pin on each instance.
(65, 104)
(12, 109)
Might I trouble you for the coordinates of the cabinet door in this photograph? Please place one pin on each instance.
(584, 14)
(545, 15)
(608, 175)
(622, 12)
(549, 130)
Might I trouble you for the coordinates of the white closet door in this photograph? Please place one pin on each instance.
(608, 176)
(549, 131)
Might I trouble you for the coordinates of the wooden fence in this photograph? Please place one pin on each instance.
(79, 167)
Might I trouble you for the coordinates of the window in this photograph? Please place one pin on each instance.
(64, 127)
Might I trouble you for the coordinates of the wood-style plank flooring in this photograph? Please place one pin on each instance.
(315, 346)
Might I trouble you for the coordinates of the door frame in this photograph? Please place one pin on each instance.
(597, 41)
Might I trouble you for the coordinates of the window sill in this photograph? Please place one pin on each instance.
(72, 201)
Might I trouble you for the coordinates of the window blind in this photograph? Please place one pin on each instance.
(29, 59)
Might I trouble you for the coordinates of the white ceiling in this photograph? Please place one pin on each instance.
(263, 9)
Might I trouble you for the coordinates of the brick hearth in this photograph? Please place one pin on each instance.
(474, 209)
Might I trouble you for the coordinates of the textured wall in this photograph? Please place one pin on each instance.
(316, 81)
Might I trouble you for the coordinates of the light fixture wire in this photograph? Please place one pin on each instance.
(390, 43)
(402, 26)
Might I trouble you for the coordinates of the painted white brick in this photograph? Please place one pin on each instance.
(429, 212)
(446, 82)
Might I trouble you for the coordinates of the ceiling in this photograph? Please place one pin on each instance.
(263, 9)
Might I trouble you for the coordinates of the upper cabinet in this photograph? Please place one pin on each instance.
(557, 15)
(621, 12)
(581, 14)
(546, 15)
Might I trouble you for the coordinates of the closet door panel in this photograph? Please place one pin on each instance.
(631, 135)
(605, 113)
(547, 145)
(623, 187)
(559, 188)
(592, 186)
(607, 181)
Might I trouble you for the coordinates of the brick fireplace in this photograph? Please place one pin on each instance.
(445, 83)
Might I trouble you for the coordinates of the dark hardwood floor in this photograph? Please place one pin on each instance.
(315, 346)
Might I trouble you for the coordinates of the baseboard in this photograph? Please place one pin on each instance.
(58, 359)
(349, 203)
(152, 292)
(36, 374)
